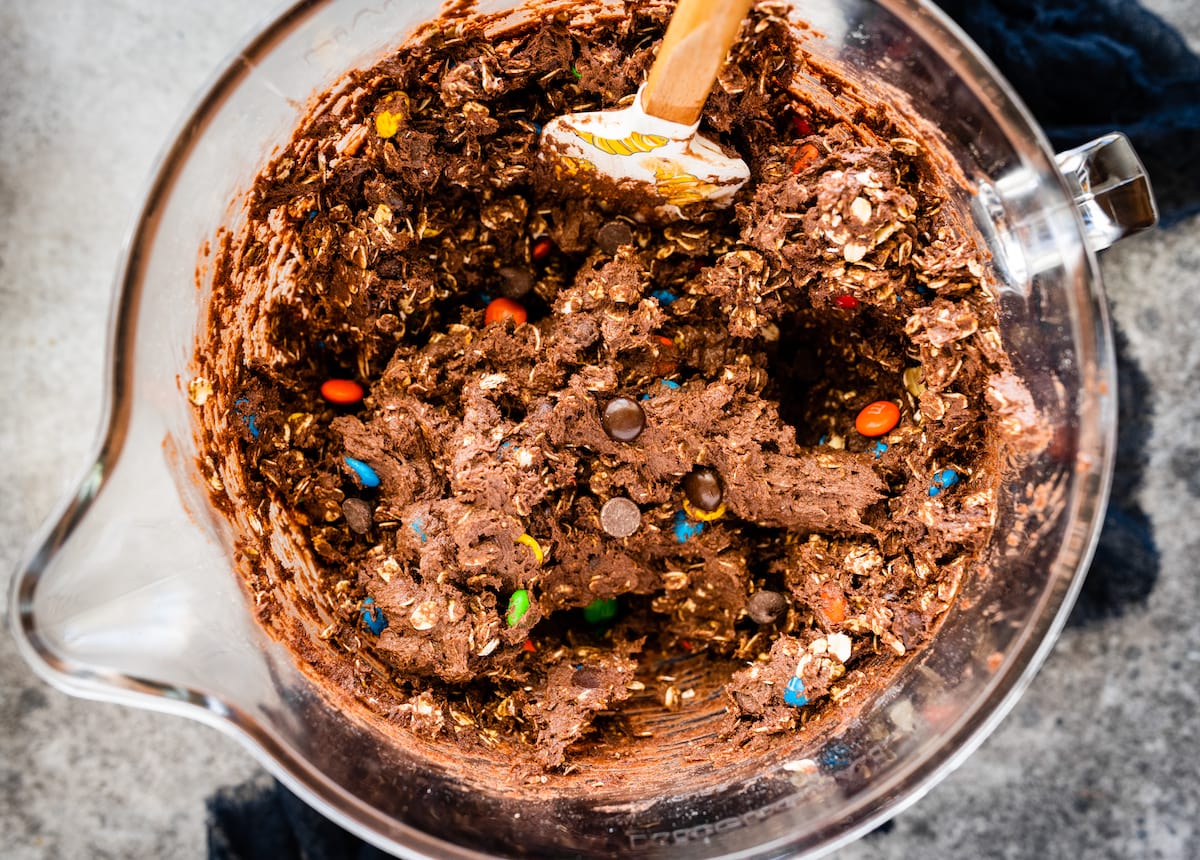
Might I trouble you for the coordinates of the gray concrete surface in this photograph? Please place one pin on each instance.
(1100, 759)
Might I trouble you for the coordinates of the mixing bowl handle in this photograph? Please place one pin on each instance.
(1110, 187)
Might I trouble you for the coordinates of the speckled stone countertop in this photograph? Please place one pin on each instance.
(1101, 758)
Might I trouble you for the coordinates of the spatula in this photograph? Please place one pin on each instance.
(652, 146)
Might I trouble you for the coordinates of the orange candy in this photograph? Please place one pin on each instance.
(878, 418)
(832, 603)
(666, 364)
(504, 309)
(808, 154)
(343, 392)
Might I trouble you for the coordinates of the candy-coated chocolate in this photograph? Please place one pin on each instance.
(703, 488)
(703, 516)
(620, 517)
(248, 418)
(365, 474)
(373, 616)
(878, 449)
(418, 527)
(388, 123)
(765, 606)
(943, 479)
(878, 418)
(801, 125)
(806, 155)
(686, 528)
(514, 282)
(358, 514)
(793, 693)
(589, 678)
(665, 297)
(529, 646)
(614, 235)
(623, 419)
(836, 756)
(601, 611)
(846, 302)
(518, 605)
(529, 541)
(343, 392)
(542, 248)
(504, 309)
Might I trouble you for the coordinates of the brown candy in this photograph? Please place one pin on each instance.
(623, 419)
(515, 283)
(765, 606)
(613, 235)
(703, 489)
(620, 517)
(588, 678)
(358, 515)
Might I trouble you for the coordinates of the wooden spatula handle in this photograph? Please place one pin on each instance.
(692, 51)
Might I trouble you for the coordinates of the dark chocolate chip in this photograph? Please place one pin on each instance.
(358, 515)
(613, 235)
(589, 678)
(620, 517)
(765, 607)
(623, 419)
(702, 486)
(514, 283)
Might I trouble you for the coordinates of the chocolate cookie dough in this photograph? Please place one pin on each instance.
(585, 445)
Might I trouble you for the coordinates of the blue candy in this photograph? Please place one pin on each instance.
(373, 617)
(793, 693)
(366, 475)
(669, 383)
(836, 756)
(665, 297)
(685, 528)
(878, 448)
(418, 527)
(943, 480)
(247, 417)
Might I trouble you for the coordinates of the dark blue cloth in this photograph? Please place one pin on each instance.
(1084, 68)
(1087, 67)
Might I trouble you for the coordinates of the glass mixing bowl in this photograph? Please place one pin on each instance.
(129, 595)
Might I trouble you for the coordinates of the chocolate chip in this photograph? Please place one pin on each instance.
(623, 419)
(358, 515)
(702, 486)
(613, 235)
(589, 678)
(765, 607)
(514, 283)
(620, 517)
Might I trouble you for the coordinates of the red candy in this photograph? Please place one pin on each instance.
(529, 646)
(878, 418)
(801, 126)
(542, 248)
(343, 392)
(847, 303)
(504, 309)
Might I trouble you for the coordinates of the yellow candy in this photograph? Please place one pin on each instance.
(703, 516)
(533, 545)
(388, 123)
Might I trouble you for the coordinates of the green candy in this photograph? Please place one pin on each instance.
(518, 605)
(601, 611)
